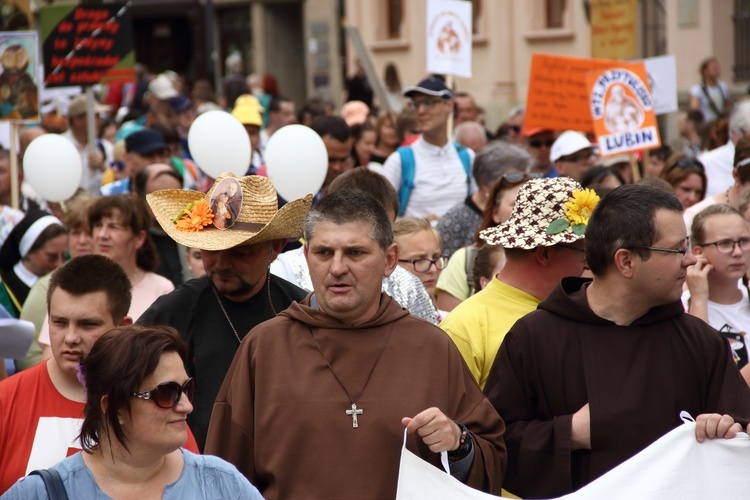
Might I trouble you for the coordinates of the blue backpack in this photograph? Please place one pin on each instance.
(408, 168)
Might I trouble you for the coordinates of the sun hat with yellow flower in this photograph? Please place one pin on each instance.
(547, 212)
(189, 217)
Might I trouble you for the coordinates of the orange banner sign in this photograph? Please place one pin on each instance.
(622, 109)
(558, 96)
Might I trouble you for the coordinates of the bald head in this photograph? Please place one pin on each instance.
(27, 135)
(471, 135)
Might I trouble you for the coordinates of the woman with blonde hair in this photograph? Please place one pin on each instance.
(419, 251)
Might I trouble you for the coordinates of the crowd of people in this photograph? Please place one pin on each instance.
(539, 313)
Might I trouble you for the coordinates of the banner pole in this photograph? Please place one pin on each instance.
(15, 188)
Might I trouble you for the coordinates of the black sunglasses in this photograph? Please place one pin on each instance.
(168, 394)
(688, 162)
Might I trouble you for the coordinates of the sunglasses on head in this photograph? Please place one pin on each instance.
(688, 163)
(539, 144)
(168, 394)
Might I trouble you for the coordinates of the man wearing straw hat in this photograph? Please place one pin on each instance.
(213, 313)
(604, 367)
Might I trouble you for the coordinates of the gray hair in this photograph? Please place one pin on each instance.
(234, 62)
(351, 205)
(739, 120)
(466, 130)
(498, 158)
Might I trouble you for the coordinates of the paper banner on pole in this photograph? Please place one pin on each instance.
(449, 37)
(662, 81)
(19, 90)
(86, 45)
(614, 29)
(622, 110)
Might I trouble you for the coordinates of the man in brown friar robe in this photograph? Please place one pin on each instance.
(603, 368)
(317, 399)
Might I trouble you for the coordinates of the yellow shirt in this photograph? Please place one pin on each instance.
(478, 324)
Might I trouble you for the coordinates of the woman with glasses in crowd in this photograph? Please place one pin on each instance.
(717, 283)
(138, 399)
(687, 176)
(419, 252)
(456, 283)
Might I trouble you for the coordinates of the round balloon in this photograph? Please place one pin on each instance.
(52, 165)
(296, 161)
(219, 143)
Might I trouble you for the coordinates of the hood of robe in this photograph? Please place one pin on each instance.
(388, 312)
(568, 300)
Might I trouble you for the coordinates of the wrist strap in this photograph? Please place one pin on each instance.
(464, 444)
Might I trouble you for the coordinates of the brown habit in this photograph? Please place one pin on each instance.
(636, 380)
(280, 414)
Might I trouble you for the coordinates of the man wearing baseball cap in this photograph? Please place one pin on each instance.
(142, 148)
(573, 154)
(536, 259)
(433, 173)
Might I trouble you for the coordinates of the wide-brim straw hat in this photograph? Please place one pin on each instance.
(539, 203)
(258, 220)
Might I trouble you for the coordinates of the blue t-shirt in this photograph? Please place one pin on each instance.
(202, 477)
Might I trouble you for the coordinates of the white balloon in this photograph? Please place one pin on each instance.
(219, 143)
(296, 161)
(52, 165)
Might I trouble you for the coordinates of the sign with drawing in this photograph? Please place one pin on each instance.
(449, 37)
(622, 110)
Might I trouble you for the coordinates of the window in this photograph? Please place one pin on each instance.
(742, 40)
(555, 14)
(395, 18)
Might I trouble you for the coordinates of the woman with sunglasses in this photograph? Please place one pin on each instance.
(456, 283)
(138, 399)
(687, 176)
(717, 283)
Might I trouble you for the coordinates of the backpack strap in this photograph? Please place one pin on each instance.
(407, 177)
(463, 153)
(52, 482)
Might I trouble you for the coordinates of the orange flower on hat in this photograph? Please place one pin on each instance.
(581, 206)
(194, 217)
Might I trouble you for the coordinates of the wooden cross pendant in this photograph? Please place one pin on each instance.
(353, 413)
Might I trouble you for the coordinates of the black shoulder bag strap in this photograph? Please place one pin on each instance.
(711, 102)
(52, 482)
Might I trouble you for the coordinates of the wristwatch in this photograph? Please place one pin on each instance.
(464, 444)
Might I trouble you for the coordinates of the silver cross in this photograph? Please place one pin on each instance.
(353, 413)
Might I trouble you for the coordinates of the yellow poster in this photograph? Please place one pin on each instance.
(613, 29)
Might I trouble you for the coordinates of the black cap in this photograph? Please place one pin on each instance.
(433, 85)
(179, 103)
(145, 141)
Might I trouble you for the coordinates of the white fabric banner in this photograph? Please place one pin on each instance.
(449, 37)
(675, 466)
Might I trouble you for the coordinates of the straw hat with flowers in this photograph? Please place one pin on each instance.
(186, 216)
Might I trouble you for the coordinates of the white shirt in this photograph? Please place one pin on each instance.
(691, 212)
(719, 163)
(439, 178)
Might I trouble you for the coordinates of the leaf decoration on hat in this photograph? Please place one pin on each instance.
(580, 207)
(194, 217)
(557, 226)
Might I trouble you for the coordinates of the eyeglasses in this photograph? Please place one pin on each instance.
(682, 251)
(511, 179)
(538, 144)
(582, 251)
(424, 265)
(426, 104)
(581, 158)
(168, 394)
(727, 246)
